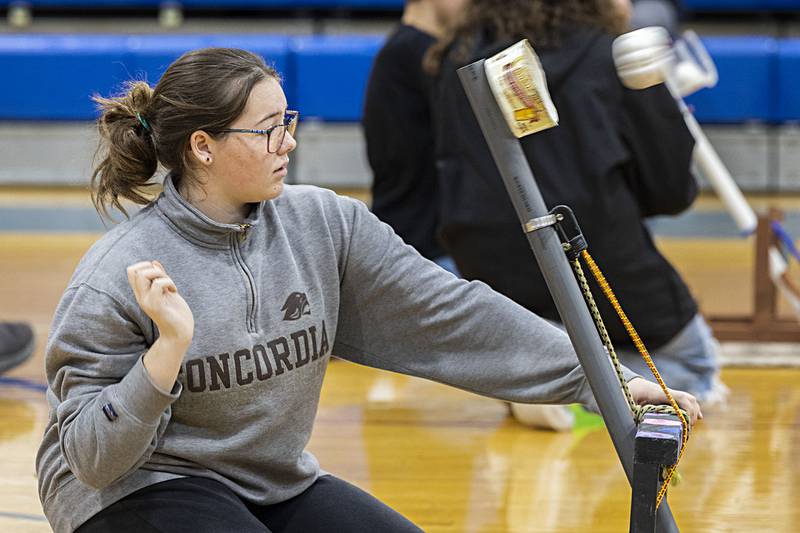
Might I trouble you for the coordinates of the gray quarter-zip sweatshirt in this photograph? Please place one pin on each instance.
(306, 275)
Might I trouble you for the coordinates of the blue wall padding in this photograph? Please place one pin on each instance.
(290, 4)
(214, 4)
(747, 81)
(152, 54)
(789, 80)
(329, 74)
(53, 77)
(92, 4)
(693, 5)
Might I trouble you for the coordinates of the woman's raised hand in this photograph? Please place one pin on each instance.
(158, 297)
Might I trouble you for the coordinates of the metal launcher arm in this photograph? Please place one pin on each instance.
(528, 203)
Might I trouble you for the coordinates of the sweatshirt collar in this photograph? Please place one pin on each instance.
(194, 224)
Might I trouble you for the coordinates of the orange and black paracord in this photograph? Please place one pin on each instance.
(638, 411)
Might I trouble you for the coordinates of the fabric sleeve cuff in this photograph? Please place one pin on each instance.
(141, 398)
(628, 374)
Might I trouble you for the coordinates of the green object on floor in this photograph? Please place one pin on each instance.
(585, 421)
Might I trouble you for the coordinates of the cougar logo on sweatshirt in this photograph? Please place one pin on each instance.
(296, 306)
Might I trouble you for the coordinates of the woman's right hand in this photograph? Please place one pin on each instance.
(159, 299)
(646, 392)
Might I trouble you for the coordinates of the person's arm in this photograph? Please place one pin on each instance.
(403, 313)
(114, 390)
(400, 312)
(661, 146)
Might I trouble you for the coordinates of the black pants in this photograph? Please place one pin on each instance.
(199, 505)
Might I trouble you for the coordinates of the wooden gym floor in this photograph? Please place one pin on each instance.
(455, 462)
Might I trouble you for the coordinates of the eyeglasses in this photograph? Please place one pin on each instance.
(275, 134)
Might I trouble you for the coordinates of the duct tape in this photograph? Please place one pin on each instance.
(520, 88)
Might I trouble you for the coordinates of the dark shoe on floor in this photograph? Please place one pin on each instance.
(16, 344)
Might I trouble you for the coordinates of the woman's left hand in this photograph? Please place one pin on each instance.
(646, 392)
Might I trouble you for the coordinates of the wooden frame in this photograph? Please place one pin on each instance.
(764, 325)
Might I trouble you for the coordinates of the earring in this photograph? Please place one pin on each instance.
(208, 160)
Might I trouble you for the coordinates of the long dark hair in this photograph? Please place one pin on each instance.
(204, 89)
(541, 21)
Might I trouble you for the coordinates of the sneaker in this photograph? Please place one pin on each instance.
(552, 417)
(16, 344)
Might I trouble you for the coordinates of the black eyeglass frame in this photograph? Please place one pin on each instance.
(290, 119)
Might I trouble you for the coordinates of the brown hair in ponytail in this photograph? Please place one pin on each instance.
(130, 159)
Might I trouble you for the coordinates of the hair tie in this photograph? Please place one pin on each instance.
(143, 122)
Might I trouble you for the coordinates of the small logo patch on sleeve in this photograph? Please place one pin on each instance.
(110, 413)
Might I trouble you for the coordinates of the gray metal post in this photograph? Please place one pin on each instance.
(528, 203)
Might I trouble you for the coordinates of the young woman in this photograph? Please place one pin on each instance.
(187, 354)
(617, 157)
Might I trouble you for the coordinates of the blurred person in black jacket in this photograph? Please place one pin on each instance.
(618, 157)
(398, 130)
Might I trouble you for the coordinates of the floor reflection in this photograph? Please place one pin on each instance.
(453, 461)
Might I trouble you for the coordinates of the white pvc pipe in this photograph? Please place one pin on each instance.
(645, 58)
(714, 170)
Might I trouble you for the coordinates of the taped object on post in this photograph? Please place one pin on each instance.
(519, 85)
(643, 57)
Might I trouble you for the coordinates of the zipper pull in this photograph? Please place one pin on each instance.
(244, 228)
